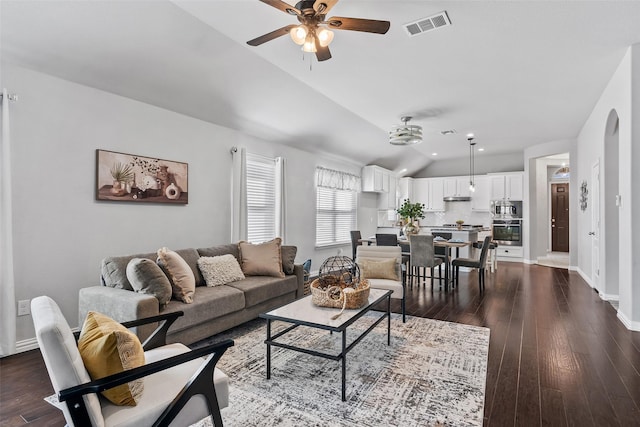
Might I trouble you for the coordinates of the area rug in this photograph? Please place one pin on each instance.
(433, 374)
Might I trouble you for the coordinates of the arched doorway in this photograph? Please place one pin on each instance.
(610, 256)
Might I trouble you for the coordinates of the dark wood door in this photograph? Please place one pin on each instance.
(560, 217)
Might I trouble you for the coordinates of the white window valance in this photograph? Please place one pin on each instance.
(338, 180)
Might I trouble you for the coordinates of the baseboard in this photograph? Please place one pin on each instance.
(609, 297)
(26, 345)
(632, 326)
(529, 261)
(584, 277)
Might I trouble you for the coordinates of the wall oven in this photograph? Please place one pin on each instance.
(507, 232)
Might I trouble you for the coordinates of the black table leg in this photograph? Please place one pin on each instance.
(389, 320)
(344, 365)
(268, 348)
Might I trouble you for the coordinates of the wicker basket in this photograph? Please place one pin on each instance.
(355, 299)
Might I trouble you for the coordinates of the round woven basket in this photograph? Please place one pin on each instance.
(334, 296)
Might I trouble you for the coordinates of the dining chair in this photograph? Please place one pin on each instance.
(355, 242)
(423, 256)
(441, 252)
(383, 239)
(480, 264)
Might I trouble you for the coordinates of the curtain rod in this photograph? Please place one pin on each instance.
(11, 96)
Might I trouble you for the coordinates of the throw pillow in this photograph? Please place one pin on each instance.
(288, 258)
(146, 277)
(183, 282)
(218, 270)
(264, 259)
(382, 269)
(107, 348)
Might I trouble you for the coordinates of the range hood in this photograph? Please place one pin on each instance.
(457, 199)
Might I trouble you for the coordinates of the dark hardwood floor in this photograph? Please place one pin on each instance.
(557, 355)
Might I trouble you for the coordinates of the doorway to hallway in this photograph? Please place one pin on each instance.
(560, 217)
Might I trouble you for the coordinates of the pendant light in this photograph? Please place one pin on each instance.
(472, 180)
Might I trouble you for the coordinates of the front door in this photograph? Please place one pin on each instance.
(560, 217)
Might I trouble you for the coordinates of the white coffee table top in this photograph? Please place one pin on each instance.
(303, 311)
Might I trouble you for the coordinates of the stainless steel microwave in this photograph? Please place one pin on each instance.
(506, 208)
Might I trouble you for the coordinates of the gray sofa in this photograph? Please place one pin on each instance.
(215, 309)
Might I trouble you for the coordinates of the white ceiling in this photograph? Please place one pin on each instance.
(515, 73)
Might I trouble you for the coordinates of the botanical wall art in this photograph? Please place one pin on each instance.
(127, 177)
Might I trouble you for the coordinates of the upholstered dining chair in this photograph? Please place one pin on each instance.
(355, 242)
(181, 386)
(423, 257)
(441, 252)
(397, 284)
(384, 239)
(480, 264)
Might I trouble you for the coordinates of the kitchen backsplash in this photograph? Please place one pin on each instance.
(453, 212)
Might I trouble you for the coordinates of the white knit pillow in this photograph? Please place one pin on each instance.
(218, 270)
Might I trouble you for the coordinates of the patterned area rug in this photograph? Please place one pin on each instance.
(433, 374)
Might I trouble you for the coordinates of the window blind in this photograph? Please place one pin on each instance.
(261, 198)
(336, 213)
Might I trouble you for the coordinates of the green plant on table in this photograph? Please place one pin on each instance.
(411, 211)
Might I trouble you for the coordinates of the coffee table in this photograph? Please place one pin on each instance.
(303, 312)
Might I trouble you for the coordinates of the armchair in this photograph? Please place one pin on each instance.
(182, 386)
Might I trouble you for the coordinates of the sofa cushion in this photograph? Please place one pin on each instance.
(288, 258)
(219, 270)
(263, 259)
(258, 289)
(208, 303)
(220, 250)
(146, 277)
(183, 282)
(114, 269)
(109, 348)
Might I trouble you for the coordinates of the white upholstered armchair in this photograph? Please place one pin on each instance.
(181, 386)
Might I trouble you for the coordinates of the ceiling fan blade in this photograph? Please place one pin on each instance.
(270, 36)
(357, 24)
(285, 7)
(324, 6)
(322, 52)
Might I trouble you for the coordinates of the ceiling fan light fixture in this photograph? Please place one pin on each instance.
(325, 36)
(405, 134)
(299, 34)
(310, 44)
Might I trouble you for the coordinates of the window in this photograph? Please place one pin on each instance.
(336, 206)
(261, 198)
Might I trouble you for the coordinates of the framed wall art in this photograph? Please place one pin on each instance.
(130, 178)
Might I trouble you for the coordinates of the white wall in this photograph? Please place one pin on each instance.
(61, 232)
(622, 94)
(484, 162)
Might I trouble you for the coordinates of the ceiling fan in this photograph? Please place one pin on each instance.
(313, 33)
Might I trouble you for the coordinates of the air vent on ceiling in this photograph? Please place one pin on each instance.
(427, 24)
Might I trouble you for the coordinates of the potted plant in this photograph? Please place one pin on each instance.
(122, 174)
(460, 222)
(411, 212)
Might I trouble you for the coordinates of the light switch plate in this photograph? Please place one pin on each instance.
(24, 308)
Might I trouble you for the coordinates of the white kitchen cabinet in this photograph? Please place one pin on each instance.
(375, 179)
(405, 189)
(388, 200)
(456, 187)
(507, 186)
(481, 198)
(430, 192)
(507, 253)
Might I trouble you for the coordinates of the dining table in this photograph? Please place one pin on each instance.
(447, 244)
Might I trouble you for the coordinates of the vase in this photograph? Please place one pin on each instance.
(460, 227)
(411, 228)
(117, 189)
(172, 192)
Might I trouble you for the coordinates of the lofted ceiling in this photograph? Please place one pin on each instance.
(514, 73)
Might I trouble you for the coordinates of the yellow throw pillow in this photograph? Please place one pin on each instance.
(183, 281)
(108, 348)
(383, 269)
(264, 259)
